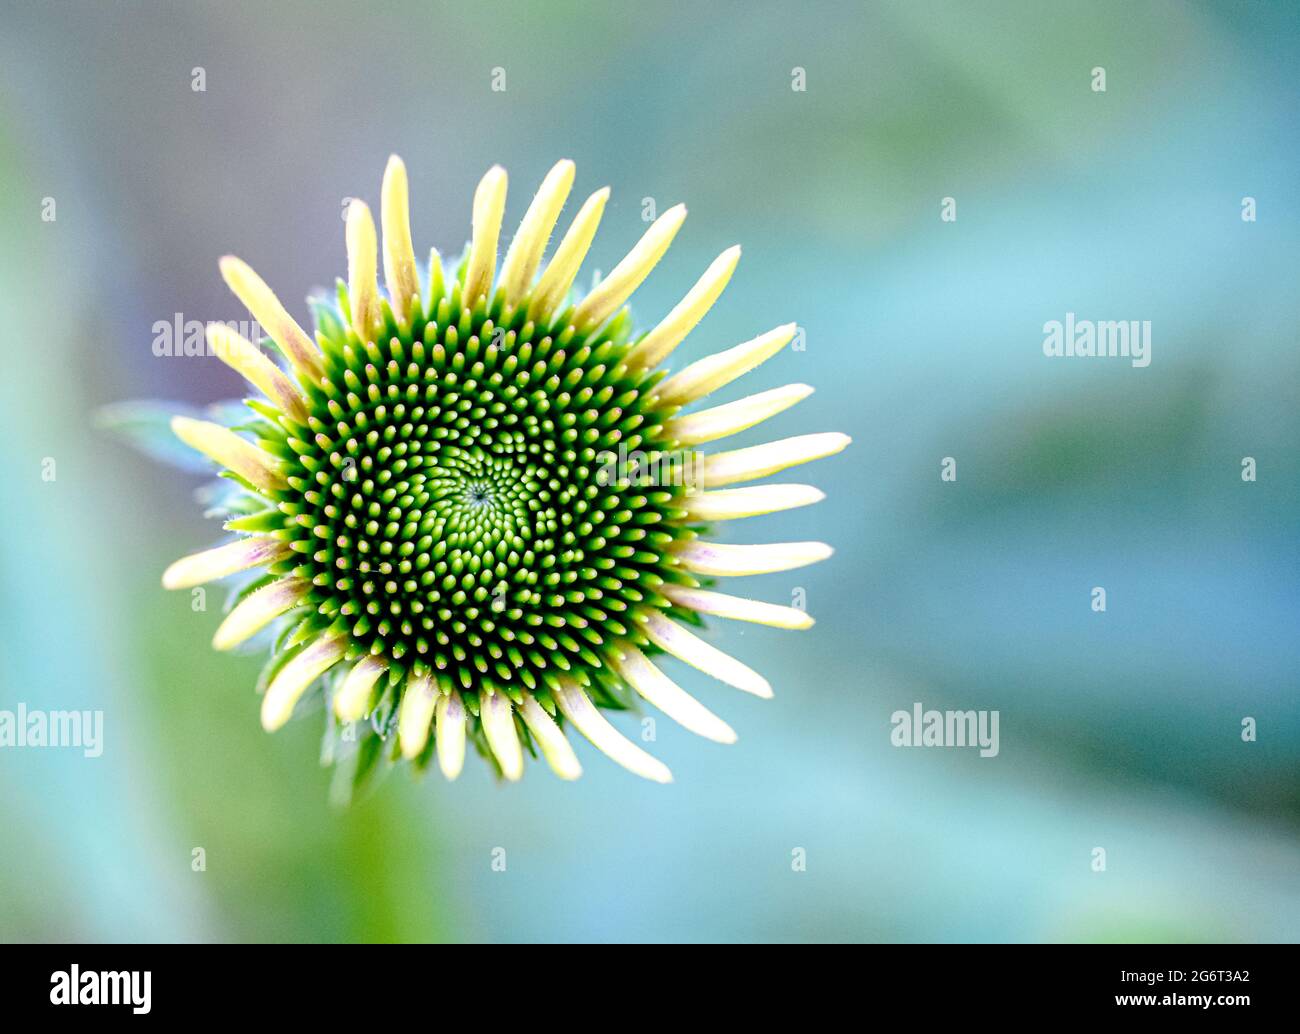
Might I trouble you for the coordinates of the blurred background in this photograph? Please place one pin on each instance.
(1119, 730)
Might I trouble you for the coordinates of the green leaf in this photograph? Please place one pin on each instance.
(147, 426)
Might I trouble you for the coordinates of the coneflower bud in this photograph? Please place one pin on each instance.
(437, 486)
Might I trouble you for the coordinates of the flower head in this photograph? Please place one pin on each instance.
(468, 507)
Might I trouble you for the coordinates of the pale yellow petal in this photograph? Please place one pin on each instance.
(498, 720)
(550, 739)
(363, 273)
(353, 696)
(212, 564)
(291, 682)
(578, 709)
(250, 362)
(715, 371)
(449, 724)
(557, 279)
(221, 444)
(723, 559)
(719, 604)
(656, 346)
(489, 207)
(526, 250)
(731, 503)
(399, 256)
(720, 421)
(258, 609)
(626, 277)
(684, 645)
(415, 716)
(260, 300)
(726, 468)
(670, 698)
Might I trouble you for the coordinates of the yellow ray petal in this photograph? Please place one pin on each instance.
(721, 605)
(449, 719)
(415, 716)
(684, 645)
(626, 277)
(221, 444)
(711, 424)
(489, 207)
(353, 697)
(293, 679)
(260, 300)
(725, 468)
(498, 721)
(670, 698)
(731, 503)
(655, 347)
(549, 737)
(722, 559)
(363, 258)
(399, 256)
(575, 706)
(713, 372)
(557, 279)
(212, 564)
(258, 609)
(246, 359)
(526, 250)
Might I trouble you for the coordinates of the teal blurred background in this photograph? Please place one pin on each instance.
(1118, 730)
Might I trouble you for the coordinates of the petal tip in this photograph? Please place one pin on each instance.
(274, 716)
(661, 774)
(358, 210)
(494, 180)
